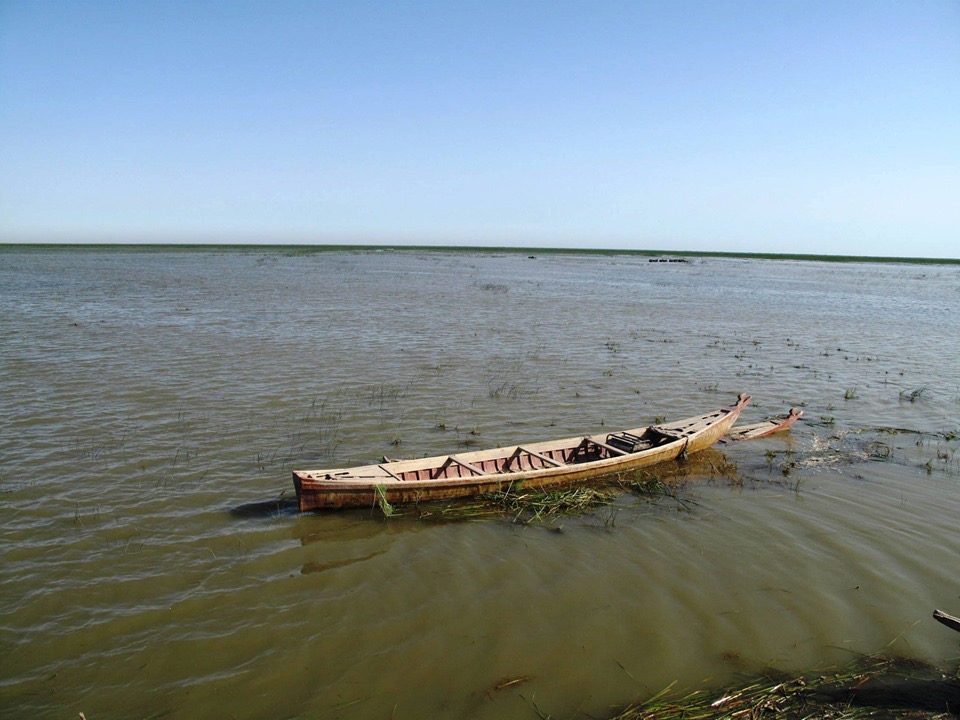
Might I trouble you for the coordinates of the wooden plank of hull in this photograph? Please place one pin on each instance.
(364, 486)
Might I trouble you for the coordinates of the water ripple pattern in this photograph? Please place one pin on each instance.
(153, 403)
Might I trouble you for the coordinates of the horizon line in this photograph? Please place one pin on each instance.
(305, 248)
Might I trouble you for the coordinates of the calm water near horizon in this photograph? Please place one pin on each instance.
(153, 404)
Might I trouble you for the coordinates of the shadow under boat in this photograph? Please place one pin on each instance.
(278, 507)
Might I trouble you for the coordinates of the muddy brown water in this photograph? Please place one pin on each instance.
(154, 402)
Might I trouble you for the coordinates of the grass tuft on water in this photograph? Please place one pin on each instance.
(528, 506)
(531, 505)
(524, 506)
(535, 506)
(912, 395)
(875, 686)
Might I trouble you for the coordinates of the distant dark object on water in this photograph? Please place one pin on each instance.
(949, 620)
(668, 260)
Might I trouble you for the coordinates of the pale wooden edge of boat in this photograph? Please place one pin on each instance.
(316, 492)
(762, 429)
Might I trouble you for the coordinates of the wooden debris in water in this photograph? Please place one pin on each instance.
(506, 683)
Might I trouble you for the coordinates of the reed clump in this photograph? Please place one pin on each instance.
(524, 506)
(534, 506)
(912, 395)
(875, 686)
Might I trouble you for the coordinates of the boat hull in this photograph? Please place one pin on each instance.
(544, 465)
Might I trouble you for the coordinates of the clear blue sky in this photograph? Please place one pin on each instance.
(820, 127)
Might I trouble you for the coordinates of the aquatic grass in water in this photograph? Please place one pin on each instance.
(526, 506)
(913, 395)
(529, 506)
(538, 506)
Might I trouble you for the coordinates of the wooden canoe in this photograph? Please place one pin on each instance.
(762, 429)
(533, 465)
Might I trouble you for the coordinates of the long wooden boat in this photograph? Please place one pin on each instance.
(532, 465)
(762, 429)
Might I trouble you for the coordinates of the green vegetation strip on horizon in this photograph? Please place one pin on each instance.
(312, 249)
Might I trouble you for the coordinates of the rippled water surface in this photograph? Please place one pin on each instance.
(154, 403)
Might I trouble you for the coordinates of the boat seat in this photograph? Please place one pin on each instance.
(610, 448)
(628, 442)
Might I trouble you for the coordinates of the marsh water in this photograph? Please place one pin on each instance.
(153, 403)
